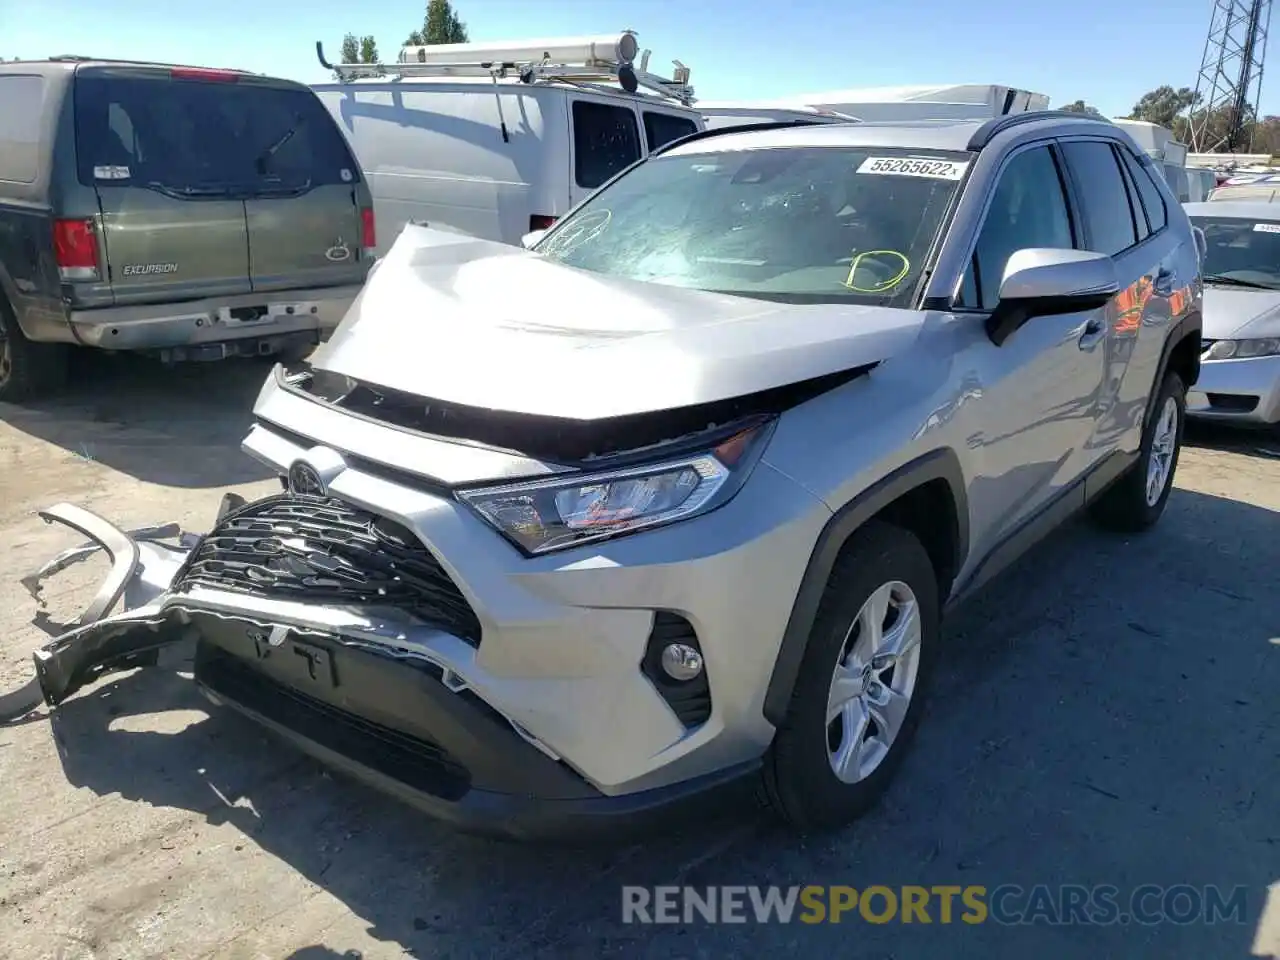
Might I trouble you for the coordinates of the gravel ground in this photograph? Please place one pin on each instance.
(1106, 715)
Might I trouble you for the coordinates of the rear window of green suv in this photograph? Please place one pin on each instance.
(193, 135)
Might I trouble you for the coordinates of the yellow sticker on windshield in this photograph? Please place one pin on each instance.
(893, 261)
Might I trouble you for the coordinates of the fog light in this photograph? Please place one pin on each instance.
(681, 661)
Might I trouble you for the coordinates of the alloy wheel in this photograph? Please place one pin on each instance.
(1164, 443)
(874, 679)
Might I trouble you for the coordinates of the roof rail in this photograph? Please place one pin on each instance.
(987, 132)
(743, 128)
(571, 59)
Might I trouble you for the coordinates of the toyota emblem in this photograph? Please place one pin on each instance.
(305, 481)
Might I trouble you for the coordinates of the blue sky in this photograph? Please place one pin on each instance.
(1105, 52)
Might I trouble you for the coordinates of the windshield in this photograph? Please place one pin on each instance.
(194, 137)
(1241, 252)
(799, 224)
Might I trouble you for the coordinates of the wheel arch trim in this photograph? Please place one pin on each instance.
(940, 464)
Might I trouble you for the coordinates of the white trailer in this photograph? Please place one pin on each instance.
(728, 113)
(967, 101)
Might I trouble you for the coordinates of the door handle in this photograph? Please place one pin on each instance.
(1094, 331)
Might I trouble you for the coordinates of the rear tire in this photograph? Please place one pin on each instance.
(28, 370)
(830, 762)
(1137, 500)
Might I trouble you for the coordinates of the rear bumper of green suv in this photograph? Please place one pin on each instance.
(205, 323)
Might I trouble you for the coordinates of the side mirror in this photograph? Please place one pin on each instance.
(531, 238)
(1202, 242)
(1046, 282)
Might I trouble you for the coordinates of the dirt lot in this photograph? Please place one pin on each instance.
(1108, 714)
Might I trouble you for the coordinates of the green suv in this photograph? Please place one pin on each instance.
(186, 213)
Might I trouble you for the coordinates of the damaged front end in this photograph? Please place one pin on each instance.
(143, 564)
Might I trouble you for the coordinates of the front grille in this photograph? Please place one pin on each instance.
(419, 763)
(324, 551)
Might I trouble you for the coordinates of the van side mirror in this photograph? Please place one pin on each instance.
(531, 238)
(1042, 282)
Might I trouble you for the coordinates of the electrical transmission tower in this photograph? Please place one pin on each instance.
(1230, 82)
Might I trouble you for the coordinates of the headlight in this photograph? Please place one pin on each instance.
(1243, 349)
(545, 515)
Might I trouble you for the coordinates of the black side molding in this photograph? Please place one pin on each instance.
(942, 464)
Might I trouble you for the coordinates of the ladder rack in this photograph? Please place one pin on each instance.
(579, 60)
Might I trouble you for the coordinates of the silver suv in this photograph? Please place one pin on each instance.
(673, 502)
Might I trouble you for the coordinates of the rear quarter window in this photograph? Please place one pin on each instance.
(606, 141)
(178, 134)
(21, 112)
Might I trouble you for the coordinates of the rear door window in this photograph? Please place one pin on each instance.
(1152, 198)
(662, 128)
(606, 140)
(192, 136)
(1108, 219)
(23, 103)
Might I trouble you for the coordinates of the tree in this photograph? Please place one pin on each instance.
(1164, 105)
(440, 25)
(1079, 106)
(359, 50)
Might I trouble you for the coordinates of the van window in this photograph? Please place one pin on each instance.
(23, 99)
(188, 135)
(660, 128)
(606, 141)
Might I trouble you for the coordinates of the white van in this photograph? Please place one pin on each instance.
(500, 139)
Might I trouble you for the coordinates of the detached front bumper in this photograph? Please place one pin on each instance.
(344, 693)
(1245, 392)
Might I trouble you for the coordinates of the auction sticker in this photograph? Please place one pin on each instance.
(915, 167)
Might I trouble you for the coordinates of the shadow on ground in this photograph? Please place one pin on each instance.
(1105, 714)
(180, 426)
(1248, 441)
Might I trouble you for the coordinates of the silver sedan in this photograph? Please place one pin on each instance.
(1240, 365)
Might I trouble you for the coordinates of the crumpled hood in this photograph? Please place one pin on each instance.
(1234, 314)
(490, 325)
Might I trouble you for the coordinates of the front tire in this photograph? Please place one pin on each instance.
(1137, 500)
(861, 686)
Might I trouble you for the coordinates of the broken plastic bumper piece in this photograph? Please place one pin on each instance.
(142, 567)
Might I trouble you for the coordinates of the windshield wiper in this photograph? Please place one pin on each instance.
(1237, 282)
(260, 163)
